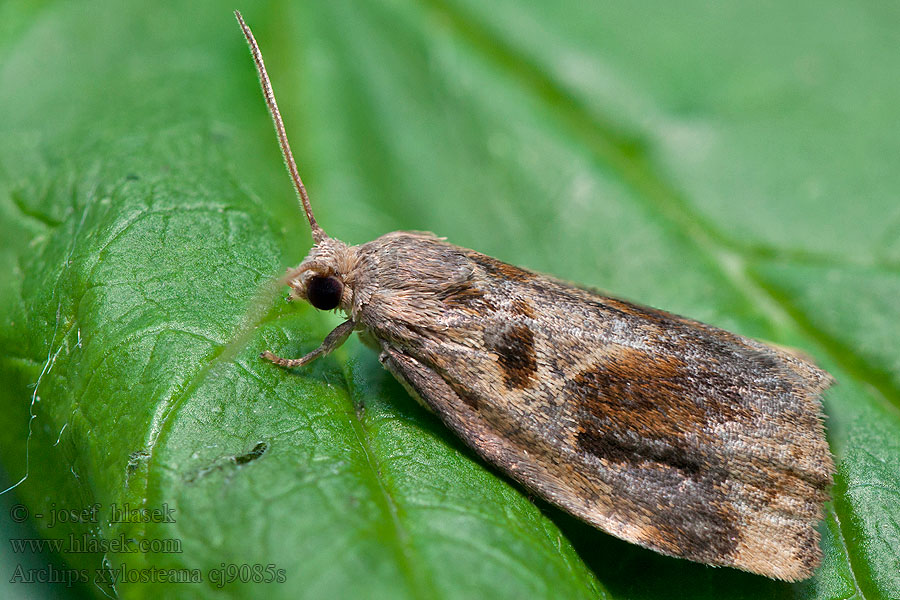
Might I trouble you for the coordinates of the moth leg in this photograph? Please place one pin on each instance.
(334, 339)
(291, 273)
(286, 280)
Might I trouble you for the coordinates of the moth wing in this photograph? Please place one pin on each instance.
(663, 431)
(702, 517)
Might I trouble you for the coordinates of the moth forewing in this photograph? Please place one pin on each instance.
(666, 432)
(672, 434)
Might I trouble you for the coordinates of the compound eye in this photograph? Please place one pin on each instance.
(324, 292)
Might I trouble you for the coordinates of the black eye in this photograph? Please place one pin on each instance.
(324, 292)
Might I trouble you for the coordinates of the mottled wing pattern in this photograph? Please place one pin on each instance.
(669, 433)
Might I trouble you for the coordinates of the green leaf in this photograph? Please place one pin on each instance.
(730, 162)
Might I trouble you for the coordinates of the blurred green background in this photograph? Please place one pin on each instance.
(733, 162)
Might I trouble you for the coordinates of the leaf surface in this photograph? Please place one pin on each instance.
(731, 163)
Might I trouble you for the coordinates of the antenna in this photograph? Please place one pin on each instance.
(318, 233)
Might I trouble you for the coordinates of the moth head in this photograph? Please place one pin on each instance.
(323, 278)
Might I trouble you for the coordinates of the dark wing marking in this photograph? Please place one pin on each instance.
(672, 434)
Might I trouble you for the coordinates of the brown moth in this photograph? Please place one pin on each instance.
(671, 434)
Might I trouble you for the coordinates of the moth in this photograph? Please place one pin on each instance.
(663, 431)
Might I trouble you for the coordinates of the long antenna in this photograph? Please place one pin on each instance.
(318, 233)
